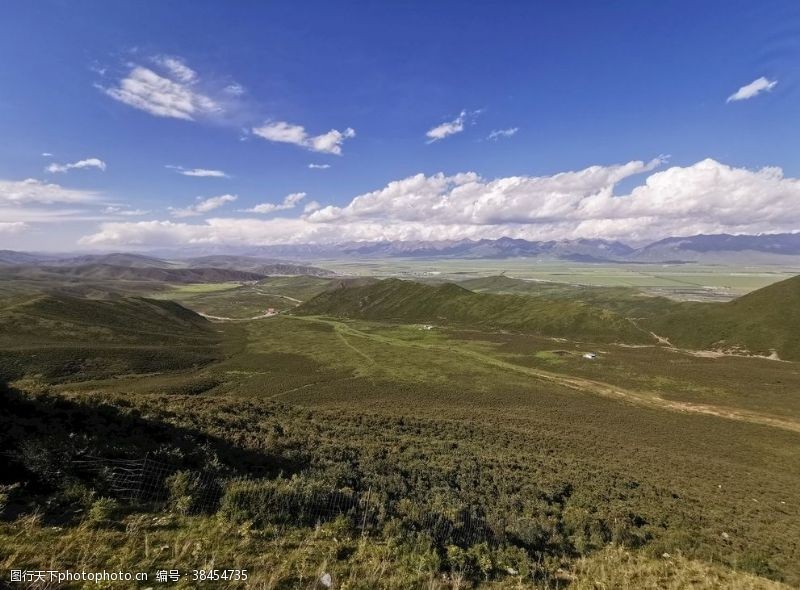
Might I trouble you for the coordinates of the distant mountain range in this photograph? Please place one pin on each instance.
(717, 248)
(698, 248)
(139, 267)
(109, 272)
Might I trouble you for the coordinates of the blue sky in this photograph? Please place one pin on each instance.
(527, 98)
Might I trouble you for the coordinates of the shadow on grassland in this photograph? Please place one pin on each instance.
(44, 439)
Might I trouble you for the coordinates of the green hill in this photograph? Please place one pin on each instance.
(58, 336)
(303, 287)
(628, 301)
(760, 322)
(450, 304)
(110, 272)
(257, 265)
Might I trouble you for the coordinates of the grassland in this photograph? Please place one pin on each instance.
(394, 299)
(54, 337)
(762, 322)
(647, 467)
(679, 281)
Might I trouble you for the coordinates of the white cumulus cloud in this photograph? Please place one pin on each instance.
(12, 227)
(202, 206)
(451, 127)
(174, 92)
(755, 88)
(24, 192)
(311, 206)
(283, 132)
(87, 163)
(705, 197)
(177, 67)
(319, 166)
(290, 201)
(466, 198)
(33, 201)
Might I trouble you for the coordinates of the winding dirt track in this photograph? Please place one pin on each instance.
(224, 319)
(641, 398)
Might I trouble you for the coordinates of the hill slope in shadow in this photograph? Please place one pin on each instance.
(58, 337)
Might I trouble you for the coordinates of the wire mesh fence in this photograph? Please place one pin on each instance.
(159, 485)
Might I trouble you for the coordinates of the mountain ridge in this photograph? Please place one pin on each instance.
(671, 250)
(714, 248)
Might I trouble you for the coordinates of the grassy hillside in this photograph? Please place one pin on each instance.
(106, 272)
(587, 473)
(760, 322)
(301, 288)
(628, 301)
(115, 259)
(57, 337)
(451, 304)
(236, 301)
(563, 475)
(257, 265)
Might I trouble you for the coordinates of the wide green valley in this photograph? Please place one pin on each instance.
(375, 432)
(358, 295)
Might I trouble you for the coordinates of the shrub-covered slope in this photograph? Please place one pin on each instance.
(130, 273)
(57, 337)
(760, 322)
(410, 302)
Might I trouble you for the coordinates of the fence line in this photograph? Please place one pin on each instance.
(157, 484)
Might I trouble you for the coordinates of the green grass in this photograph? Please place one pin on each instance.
(298, 557)
(229, 300)
(760, 322)
(599, 467)
(62, 337)
(449, 305)
(300, 287)
(179, 291)
(681, 281)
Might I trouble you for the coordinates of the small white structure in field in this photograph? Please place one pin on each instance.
(590, 355)
(427, 327)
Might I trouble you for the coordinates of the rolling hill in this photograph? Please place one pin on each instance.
(257, 265)
(59, 337)
(12, 257)
(762, 322)
(114, 259)
(106, 272)
(452, 305)
(628, 301)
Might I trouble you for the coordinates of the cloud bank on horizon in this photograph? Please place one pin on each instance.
(706, 197)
